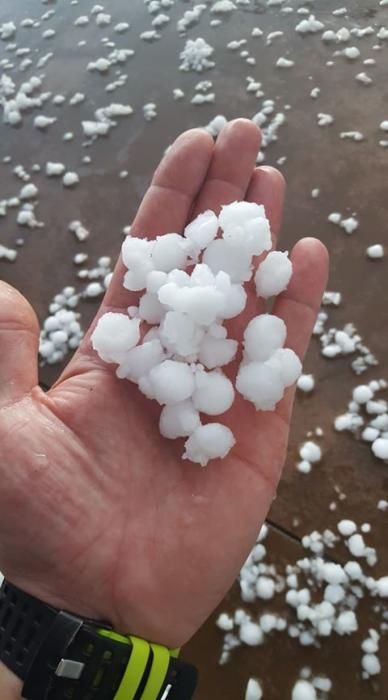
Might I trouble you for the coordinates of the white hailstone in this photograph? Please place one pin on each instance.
(309, 26)
(81, 21)
(107, 279)
(180, 334)
(351, 52)
(94, 289)
(42, 122)
(370, 645)
(325, 119)
(202, 304)
(54, 169)
(362, 394)
(273, 275)
(245, 226)
(265, 588)
(8, 253)
(114, 335)
(304, 467)
(28, 191)
(382, 587)
(370, 434)
(70, 178)
(333, 573)
(136, 254)
(178, 94)
(7, 30)
(380, 448)
(350, 224)
(311, 452)
(169, 252)
(58, 337)
(345, 342)
(169, 383)
(152, 334)
(321, 683)
(264, 335)
(334, 593)
(260, 384)
(346, 528)
(269, 622)
(353, 570)
(284, 63)
(225, 622)
(251, 634)
(331, 350)
(380, 422)
(101, 65)
(94, 128)
(346, 623)
(258, 552)
(346, 422)
(150, 308)
(334, 217)
(202, 276)
(371, 664)
(217, 352)
(234, 261)
(213, 394)
(376, 407)
(155, 280)
(235, 301)
(213, 441)
(306, 383)
(202, 230)
(179, 420)
(287, 363)
(103, 19)
(253, 690)
(356, 545)
(121, 27)
(133, 250)
(375, 252)
(303, 690)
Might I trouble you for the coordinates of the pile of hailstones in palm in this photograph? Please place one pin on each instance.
(174, 345)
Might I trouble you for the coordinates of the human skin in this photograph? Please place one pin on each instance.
(115, 526)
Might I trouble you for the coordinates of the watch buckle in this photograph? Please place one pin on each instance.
(69, 669)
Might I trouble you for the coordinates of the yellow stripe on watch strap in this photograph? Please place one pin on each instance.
(137, 665)
(158, 672)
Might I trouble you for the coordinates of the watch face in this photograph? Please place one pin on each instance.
(166, 692)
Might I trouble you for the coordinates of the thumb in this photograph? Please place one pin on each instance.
(19, 340)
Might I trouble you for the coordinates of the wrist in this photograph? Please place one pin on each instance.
(10, 685)
(50, 649)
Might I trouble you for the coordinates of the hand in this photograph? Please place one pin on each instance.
(98, 513)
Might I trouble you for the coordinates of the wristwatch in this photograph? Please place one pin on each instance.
(62, 656)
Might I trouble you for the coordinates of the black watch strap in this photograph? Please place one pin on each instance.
(60, 656)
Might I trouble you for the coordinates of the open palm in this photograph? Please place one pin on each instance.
(98, 513)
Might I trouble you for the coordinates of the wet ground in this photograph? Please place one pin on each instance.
(352, 178)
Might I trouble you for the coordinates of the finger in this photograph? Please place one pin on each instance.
(169, 199)
(165, 209)
(267, 187)
(232, 166)
(298, 306)
(19, 340)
